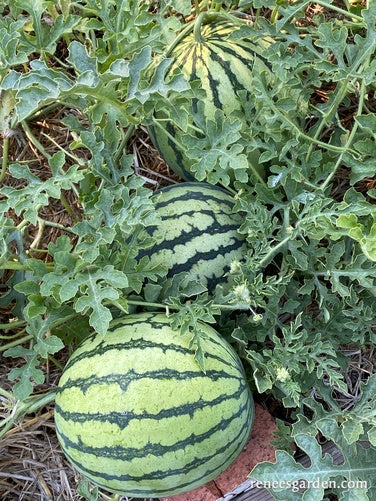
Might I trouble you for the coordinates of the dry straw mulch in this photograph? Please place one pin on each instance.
(32, 465)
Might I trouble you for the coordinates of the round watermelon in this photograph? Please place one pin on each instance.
(198, 232)
(223, 67)
(136, 415)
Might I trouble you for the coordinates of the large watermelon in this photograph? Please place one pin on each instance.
(224, 68)
(198, 233)
(136, 415)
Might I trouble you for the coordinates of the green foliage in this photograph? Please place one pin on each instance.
(348, 432)
(306, 287)
(188, 321)
(219, 150)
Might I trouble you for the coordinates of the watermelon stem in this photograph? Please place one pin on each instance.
(17, 342)
(4, 162)
(22, 407)
(178, 39)
(299, 132)
(345, 13)
(362, 94)
(11, 326)
(273, 251)
(197, 27)
(205, 18)
(167, 307)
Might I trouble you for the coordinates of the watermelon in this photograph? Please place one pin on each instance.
(224, 68)
(198, 233)
(137, 416)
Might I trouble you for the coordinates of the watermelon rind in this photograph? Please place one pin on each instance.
(136, 415)
(223, 67)
(198, 233)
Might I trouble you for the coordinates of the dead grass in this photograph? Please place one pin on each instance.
(32, 465)
(362, 364)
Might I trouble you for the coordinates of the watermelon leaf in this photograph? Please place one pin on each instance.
(85, 490)
(187, 321)
(292, 481)
(349, 431)
(28, 374)
(218, 152)
(36, 194)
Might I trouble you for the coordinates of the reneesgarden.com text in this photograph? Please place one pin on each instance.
(302, 485)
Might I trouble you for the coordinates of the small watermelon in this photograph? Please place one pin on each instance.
(136, 415)
(223, 66)
(198, 233)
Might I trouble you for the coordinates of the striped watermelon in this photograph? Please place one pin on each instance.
(224, 68)
(135, 414)
(198, 232)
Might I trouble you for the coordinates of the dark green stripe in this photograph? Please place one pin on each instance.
(236, 84)
(194, 186)
(217, 31)
(197, 62)
(179, 157)
(124, 380)
(185, 52)
(138, 343)
(214, 82)
(193, 191)
(158, 450)
(196, 481)
(191, 55)
(184, 237)
(212, 280)
(103, 346)
(122, 419)
(232, 47)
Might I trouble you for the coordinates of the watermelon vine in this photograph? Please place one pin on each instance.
(289, 138)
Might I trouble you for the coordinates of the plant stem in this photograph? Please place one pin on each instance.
(231, 307)
(124, 142)
(6, 394)
(274, 250)
(324, 121)
(362, 94)
(274, 14)
(149, 305)
(45, 153)
(292, 125)
(39, 146)
(56, 362)
(330, 6)
(16, 342)
(27, 406)
(4, 162)
(11, 326)
(197, 28)
(168, 52)
(81, 162)
(57, 225)
(14, 265)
